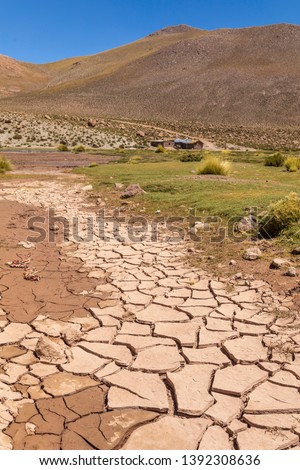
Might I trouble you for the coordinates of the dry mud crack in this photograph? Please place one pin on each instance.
(122, 345)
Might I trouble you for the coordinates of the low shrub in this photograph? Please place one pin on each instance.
(213, 166)
(5, 165)
(292, 164)
(276, 159)
(62, 148)
(134, 160)
(191, 157)
(160, 149)
(281, 216)
(79, 149)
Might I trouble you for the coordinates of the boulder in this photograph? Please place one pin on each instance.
(278, 263)
(252, 254)
(132, 190)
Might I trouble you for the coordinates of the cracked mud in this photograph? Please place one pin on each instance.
(122, 345)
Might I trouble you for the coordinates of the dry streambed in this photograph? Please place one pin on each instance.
(123, 345)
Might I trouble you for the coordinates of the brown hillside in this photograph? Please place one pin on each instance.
(16, 77)
(236, 76)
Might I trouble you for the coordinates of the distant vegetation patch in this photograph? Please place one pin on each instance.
(276, 159)
(191, 157)
(135, 159)
(5, 165)
(62, 148)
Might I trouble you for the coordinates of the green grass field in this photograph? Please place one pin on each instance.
(173, 188)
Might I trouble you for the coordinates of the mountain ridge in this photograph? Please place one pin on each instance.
(239, 76)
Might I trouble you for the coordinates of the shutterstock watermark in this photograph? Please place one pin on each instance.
(138, 228)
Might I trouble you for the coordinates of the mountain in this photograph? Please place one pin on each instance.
(17, 77)
(244, 76)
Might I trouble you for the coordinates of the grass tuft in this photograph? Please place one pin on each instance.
(5, 165)
(292, 164)
(276, 159)
(214, 166)
(160, 149)
(79, 149)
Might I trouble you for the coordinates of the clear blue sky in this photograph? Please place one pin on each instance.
(48, 30)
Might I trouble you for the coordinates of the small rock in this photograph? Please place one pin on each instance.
(50, 351)
(238, 276)
(132, 190)
(26, 245)
(140, 133)
(291, 272)
(232, 262)
(72, 334)
(119, 185)
(296, 251)
(54, 228)
(30, 429)
(89, 187)
(247, 224)
(252, 254)
(278, 263)
(92, 123)
(198, 226)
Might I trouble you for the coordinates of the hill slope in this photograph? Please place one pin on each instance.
(16, 76)
(237, 76)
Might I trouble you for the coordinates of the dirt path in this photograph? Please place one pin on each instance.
(123, 345)
(207, 144)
